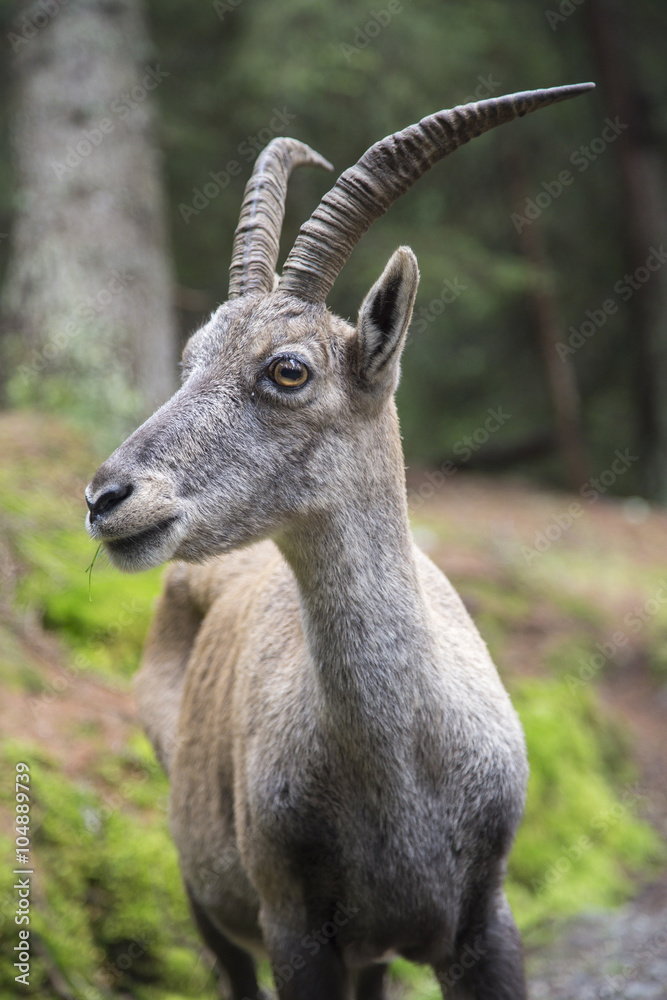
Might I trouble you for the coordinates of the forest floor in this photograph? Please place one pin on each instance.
(582, 600)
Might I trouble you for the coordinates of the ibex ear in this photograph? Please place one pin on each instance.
(385, 315)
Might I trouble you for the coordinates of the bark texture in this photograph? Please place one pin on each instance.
(87, 300)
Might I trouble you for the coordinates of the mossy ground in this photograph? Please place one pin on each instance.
(109, 916)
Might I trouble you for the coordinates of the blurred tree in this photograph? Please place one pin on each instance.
(339, 76)
(87, 298)
(643, 211)
(559, 373)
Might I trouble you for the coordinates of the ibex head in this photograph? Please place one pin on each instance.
(279, 396)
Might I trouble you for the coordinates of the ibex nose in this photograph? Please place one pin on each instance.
(110, 497)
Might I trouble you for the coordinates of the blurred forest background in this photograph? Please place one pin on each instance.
(536, 371)
(514, 262)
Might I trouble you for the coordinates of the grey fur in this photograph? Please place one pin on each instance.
(341, 751)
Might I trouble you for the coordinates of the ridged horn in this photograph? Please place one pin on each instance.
(257, 236)
(365, 191)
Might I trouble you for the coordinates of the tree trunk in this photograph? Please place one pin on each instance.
(559, 373)
(87, 300)
(644, 207)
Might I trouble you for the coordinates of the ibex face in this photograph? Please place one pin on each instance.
(279, 397)
(273, 416)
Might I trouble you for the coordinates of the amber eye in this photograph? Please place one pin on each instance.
(288, 373)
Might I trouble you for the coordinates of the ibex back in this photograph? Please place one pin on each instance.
(347, 771)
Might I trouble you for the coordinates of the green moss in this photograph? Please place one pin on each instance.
(109, 910)
(650, 621)
(42, 514)
(579, 608)
(419, 981)
(498, 608)
(572, 654)
(105, 629)
(135, 778)
(581, 840)
(498, 599)
(17, 670)
(658, 659)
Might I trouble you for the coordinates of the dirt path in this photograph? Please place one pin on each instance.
(619, 956)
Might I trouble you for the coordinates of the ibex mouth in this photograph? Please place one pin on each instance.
(132, 547)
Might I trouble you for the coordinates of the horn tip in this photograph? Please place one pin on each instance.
(525, 101)
(553, 94)
(572, 89)
(316, 160)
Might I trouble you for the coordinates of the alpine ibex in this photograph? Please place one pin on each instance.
(347, 772)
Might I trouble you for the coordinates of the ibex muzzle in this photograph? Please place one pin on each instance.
(347, 772)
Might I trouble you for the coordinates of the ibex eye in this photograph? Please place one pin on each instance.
(289, 373)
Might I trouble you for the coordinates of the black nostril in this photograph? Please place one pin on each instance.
(109, 499)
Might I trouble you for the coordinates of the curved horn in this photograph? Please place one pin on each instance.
(257, 236)
(364, 192)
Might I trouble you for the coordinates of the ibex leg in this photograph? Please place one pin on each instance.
(300, 972)
(233, 961)
(370, 983)
(488, 964)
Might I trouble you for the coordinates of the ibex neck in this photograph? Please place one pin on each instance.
(364, 614)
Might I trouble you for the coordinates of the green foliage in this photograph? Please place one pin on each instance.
(497, 608)
(106, 628)
(42, 513)
(15, 671)
(109, 911)
(418, 981)
(652, 614)
(658, 661)
(581, 838)
(81, 398)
